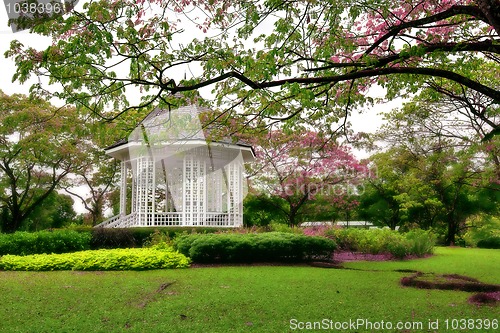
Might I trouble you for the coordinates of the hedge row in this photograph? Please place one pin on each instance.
(489, 243)
(265, 247)
(58, 241)
(98, 260)
(64, 240)
(104, 238)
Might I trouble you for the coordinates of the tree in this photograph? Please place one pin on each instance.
(450, 121)
(99, 178)
(99, 174)
(322, 56)
(297, 167)
(39, 146)
(378, 203)
(429, 184)
(55, 211)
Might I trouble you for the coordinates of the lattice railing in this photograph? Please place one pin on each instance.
(166, 219)
(119, 221)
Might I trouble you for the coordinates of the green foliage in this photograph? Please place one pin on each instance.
(280, 227)
(421, 242)
(104, 238)
(265, 247)
(481, 227)
(56, 211)
(158, 238)
(39, 146)
(379, 241)
(98, 260)
(489, 243)
(57, 241)
(426, 184)
(262, 210)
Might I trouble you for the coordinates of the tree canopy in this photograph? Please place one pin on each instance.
(39, 146)
(293, 169)
(290, 61)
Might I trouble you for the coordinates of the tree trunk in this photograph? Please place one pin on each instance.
(11, 225)
(452, 231)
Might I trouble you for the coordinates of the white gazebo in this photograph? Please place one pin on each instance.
(178, 177)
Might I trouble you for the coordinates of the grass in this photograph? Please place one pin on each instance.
(241, 299)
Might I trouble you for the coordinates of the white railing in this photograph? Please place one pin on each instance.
(119, 221)
(171, 219)
(108, 222)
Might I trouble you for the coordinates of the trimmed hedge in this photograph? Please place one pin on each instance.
(489, 243)
(79, 239)
(57, 241)
(98, 260)
(112, 238)
(265, 247)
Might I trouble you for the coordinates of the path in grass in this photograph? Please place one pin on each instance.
(239, 299)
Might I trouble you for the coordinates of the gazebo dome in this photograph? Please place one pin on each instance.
(179, 178)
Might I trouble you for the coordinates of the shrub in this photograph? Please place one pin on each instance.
(57, 241)
(104, 238)
(489, 243)
(481, 227)
(377, 241)
(112, 238)
(421, 242)
(270, 247)
(116, 259)
(281, 227)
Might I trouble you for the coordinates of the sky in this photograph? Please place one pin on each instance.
(368, 121)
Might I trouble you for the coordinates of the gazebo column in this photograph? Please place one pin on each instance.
(194, 190)
(214, 191)
(123, 188)
(235, 192)
(145, 190)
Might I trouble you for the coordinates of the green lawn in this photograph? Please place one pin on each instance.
(242, 299)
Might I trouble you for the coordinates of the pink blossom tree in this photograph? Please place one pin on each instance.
(324, 57)
(299, 166)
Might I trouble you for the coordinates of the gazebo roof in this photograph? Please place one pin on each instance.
(177, 126)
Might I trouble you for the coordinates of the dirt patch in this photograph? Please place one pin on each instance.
(151, 297)
(359, 256)
(492, 298)
(486, 294)
(327, 264)
(447, 282)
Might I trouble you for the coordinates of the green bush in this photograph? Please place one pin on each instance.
(281, 227)
(264, 247)
(489, 243)
(481, 227)
(57, 241)
(421, 242)
(104, 238)
(112, 238)
(98, 260)
(378, 241)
